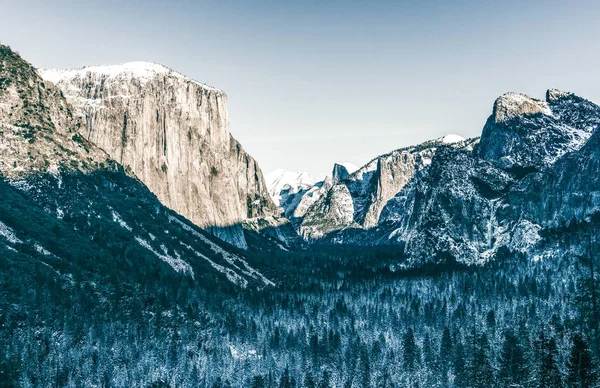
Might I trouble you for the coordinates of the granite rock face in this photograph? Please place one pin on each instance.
(38, 130)
(173, 133)
(356, 201)
(339, 173)
(533, 174)
(526, 134)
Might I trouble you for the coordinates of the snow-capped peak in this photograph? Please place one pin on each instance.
(291, 182)
(143, 71)
(452, 138)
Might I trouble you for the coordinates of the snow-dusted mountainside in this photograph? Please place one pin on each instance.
(67, 207)
(532, 175)
(525, 133)
(283, 185)
(173, 133)
(356, 199)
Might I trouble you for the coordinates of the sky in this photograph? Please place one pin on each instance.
(311, 83)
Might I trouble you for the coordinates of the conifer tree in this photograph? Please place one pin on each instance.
(482, 373)
(512, 361)
(411, 351)
(548, 373)
(581, 367)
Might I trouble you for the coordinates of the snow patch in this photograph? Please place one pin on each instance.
(231, 275)
(42, 250)
(243, 354)
(175, 262)
(9, 234)
(143, 71)
(117, 218)
(452, 138)
(232, 259)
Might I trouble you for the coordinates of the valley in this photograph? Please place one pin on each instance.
(140, 245)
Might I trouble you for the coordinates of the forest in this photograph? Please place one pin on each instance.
(338, 317)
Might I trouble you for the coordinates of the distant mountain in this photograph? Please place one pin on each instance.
(355, 200)
(173, 133)
(283, 185)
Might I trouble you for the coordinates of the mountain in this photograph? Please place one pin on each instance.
(341, 171)
(356, 200)
(286, 187)
(527, 134)
(67, 204)
(173, 133)
(518, 189)
(452, 263)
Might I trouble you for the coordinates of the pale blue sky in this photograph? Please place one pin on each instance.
(315, 82)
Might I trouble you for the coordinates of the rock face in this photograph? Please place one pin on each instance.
(357, 199)
(67, 203)
(341, 172)
(533, 174)
(449, 210)
(38, 130)
(173, 133)
(527, 134)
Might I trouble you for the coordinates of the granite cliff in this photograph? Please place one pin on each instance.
(173, 132)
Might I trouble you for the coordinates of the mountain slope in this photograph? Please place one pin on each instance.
(533, 172)
(57, 170)
(357, 199)
(173, 132)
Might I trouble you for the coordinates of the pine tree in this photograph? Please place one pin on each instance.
(446, 347)
(512, 361)
(445, 355)
(582, 370)
(482, 373)
(258, 382)
(549, 374)
(325, 380)
(460, 370)
(285, 381)
(588, 293)
(411, 351)
(309, 381)
(365, 371)
(428, 356)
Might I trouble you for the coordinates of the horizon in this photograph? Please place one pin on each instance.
(311, 84)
